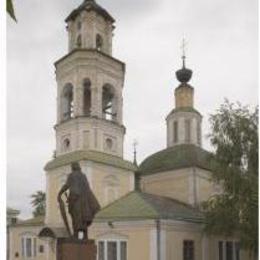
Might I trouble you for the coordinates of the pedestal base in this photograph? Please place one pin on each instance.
(73, 249)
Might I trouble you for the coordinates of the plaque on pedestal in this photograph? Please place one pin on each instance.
(74, 249)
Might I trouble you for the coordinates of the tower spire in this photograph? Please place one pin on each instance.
(183, 47)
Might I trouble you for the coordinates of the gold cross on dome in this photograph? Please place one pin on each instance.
(183, 46)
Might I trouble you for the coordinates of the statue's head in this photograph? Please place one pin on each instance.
(75, 166)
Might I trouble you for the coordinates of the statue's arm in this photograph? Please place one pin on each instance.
(62, 190)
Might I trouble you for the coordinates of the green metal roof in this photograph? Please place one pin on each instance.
(91, 156)
(137, 205)
(176, 157)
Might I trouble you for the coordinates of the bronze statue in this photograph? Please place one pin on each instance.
(82, 203)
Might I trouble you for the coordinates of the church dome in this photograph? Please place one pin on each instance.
(176, 157)
(89, 5)
(184, 75)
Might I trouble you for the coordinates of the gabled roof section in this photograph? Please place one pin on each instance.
(90, 5)
(176, 157)
(137, 205)
(11, 211)
(94, 156)
(36, 221)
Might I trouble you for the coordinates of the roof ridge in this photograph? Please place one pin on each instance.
(148, 202)
(172, 199)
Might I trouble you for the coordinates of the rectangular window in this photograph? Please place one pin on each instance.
(187, 131)
(220, 250)
(101, 250)
(188, 250)
(112, 250)
(175, 132)
(28, 248)
(34, 246)
(229, 250)
(237, 250)
(123, 252)
(41, 249)
(23, 246)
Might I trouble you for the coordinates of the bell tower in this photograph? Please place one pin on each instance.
(184, 121)
(89, 126)
(90, 83)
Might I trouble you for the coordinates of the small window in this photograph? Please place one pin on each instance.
(79, 25)
(109, 143)
(175, 131)
(41, 249)
(66, 144)
(188, 250)
(99, 42)
(199, 132)
(79, 41)
(16, 255)
(187, 130)
(87, 97)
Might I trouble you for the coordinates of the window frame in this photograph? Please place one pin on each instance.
(189, 248)
(33, 246)
(236, 253)
(118, 247)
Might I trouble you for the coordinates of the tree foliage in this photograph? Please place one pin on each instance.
(234, 212)
(39, 203)
(10, 9)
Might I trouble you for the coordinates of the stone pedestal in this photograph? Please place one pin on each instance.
(73, 249)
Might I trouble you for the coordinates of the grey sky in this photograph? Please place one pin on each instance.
(222, 52)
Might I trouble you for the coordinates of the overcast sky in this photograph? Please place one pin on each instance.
(222, 52)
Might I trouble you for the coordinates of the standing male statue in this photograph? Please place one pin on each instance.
(82, 203)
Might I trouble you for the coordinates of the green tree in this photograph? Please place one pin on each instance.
(10, 9)
(234, 135)
(39, 203)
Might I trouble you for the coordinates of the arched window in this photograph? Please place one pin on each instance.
(67, 102)
(99, 42)
(109, 103)
(87, 97)
(66, 144)
(79, 41)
